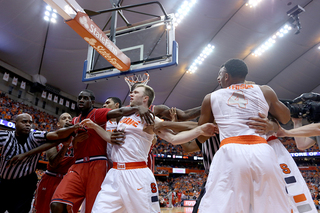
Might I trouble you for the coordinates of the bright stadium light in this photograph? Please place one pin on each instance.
(200, 59)
(269, 43)
(183, 11)
(50, 14)
(253, 3)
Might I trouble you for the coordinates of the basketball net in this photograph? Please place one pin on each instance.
(137, 78)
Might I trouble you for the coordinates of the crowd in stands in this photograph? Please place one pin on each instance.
(163, 147)
(184, 187)
(42, 120)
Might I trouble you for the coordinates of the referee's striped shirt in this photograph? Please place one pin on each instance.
(9, 147)
(208, 149)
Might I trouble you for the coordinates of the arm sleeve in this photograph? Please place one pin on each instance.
(40, 137)
(100, 116)
(3, 137)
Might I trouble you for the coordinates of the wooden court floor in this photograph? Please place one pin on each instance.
(181, 210)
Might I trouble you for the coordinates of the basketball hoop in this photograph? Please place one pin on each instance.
(137, 78)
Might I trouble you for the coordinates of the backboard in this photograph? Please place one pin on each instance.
(149, 45)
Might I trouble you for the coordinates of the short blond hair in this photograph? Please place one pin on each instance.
(148, 91)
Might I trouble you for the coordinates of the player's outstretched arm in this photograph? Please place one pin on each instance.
(62, 133)
(99, 130)
(175, 126)
(163, 111)
(186, 136)
(304, 131)
(276, 107)
(145, 114)
(36, 150)
(301, 142)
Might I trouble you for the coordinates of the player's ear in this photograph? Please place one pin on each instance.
(117, 105)
(146, 98)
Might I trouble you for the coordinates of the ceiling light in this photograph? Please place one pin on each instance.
(183, 11)
(50, 14)
(201, 58)
(252, 3)
(272, 40)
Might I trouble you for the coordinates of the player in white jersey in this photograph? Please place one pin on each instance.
(244, 174)
(111, 125)
(130, 186)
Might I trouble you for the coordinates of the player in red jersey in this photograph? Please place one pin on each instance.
(60, 159)
(84, 178)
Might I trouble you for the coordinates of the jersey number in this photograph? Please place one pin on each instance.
(154, 188)
(238, 98)
(285, 168)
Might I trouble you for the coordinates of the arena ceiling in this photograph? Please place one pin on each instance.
(291, 66)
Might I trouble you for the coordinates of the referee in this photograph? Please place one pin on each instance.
(18, 181)
(208, 148)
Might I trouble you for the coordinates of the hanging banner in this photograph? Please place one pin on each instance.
(44, 94)
(55, 99)
(61, 101)
(6, 76)
(67, 103)
(15, 81)
(23, 85)
(73, 106)
(50, 97)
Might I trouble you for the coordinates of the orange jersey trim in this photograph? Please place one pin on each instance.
(243, 139)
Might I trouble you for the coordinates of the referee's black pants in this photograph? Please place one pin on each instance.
(203, 191)
(16, 195)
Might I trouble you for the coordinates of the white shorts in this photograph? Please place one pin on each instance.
(245, 178)
(298, 191)
(132, 191)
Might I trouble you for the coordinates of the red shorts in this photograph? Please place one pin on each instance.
(82, 181)
(44, 192)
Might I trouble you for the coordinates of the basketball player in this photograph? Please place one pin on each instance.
(244, 174)
(130, 186)
(60, 159)
(111, 125)
(84, 178)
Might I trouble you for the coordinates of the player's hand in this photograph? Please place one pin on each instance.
(79, 138)
(208, 129)
(146, 115)
(16, 159)
(173, 114)
(261, 124)
(68, 141)
(88, 123)
(117, 137)
(281, 132)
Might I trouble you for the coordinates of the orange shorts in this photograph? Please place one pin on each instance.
(83, 180)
